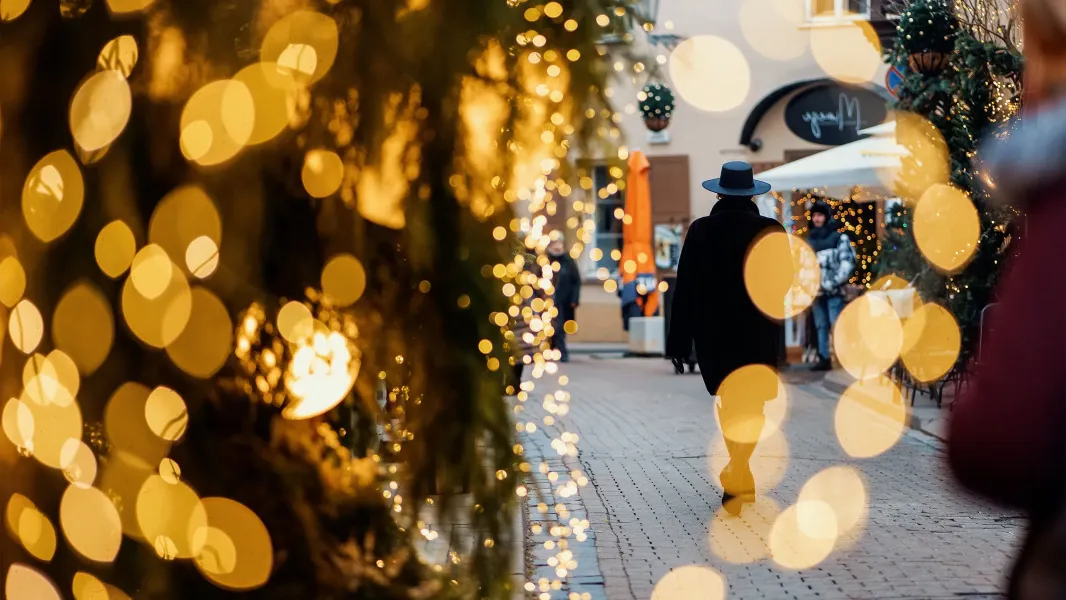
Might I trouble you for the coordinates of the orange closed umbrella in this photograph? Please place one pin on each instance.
(638, 261)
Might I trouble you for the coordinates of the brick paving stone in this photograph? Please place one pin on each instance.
(647, 438)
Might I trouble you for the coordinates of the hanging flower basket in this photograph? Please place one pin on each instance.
(656, 102)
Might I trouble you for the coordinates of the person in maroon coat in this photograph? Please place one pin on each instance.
(1007, 434)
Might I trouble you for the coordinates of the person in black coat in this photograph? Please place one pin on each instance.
(567, 296)
(712, 308)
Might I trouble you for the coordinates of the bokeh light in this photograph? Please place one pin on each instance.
(868, 336)
(690, 583)
(115, 249)
(13, 9)
(295, 322)
(78, 463)
(775, 28)
(205, 343)
(201, 257)
(321, 373)
(710, 73)
(217, 122)
(273, 92)
(931, 342)
(83, 326)
(304, 42)
(946, 227)
(12, 281)
(18, 423)
(842, 489)
(782, 275)
(169, 514)
(25, 326)
(343, 280)
(30, 527)
(756, 391)
(160, 320)
(848, 52)
(52, 196)
(151, 271)
(322, 173)
(120, 54)
(128, 6)
(129, 430)
(928, 162)
(54, 422)
(90, 523)
(100, 110)
(870, 418)
(743, 538)
(26, 583)
(180, 219)
(803, 535)
(166, 414)
(769, 461)
(122, 476)
(237, 553)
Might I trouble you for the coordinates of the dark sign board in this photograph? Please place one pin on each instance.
(833, 114)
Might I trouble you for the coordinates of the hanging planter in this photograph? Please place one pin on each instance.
(927, 31)
(656, 102)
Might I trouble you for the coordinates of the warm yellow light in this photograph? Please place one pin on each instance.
(803, 535)
(54, 422)
(207, 339)
(760, 400)
(159, 320)
(91, 523)
(217, 122)
(343, 280)
(553, 10)
(26, 583)
(849, 52)
(295, 322)
(12, 281)
(870, 418)
(52, 195)
(126, 421)
(201, 257)
(274, 93)
(12, 9)
(322, 173)
(100, 110)
(842, 489)
(782, 275)
(169, 515)
(115, 249)
(25, 326)
(128, 6)
(78, 463)
(690, 583)
(166, 414)
(867, 336)
(304, 42)
(710, 73)
(768, 463)
(931, 342)
(237, 553)
(18, 423)
(83, 326)
(946, 227)
(742, 539)
(120, 54)
(178, 222)
(320, 375)
(775, 28)
(31, 528)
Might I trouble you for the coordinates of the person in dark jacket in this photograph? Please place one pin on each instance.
(836, 258)
(567, 296)
(712, 308)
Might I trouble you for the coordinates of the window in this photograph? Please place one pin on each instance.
(609, 209)
(836, 10)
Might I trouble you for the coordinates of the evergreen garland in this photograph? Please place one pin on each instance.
(927, 26)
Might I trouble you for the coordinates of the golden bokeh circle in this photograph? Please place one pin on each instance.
(754, 392)
(273, 91)
(180, 219)
(946, 227)
(83, 326)
(304, 42)
(13, 9)
(129, 430)
(710, 73)
(295, 322)
(205, 343)
(926, 162)
(870, 418)
(25, 326)
(30, 527)
(848, 52)
(803, 535)
(100, 110)
(151, 271)
(775, 28)
(768, 463)
(120, 54)
(867, 336)
(166, 414)
(842, 489)
(52, 195)
(18, 424)
(115, 248)
(742, 539)
(53, 424)
(158, 321)
(201, 257)
(12, 281)
(78, 463)
(322, 173)
(86, 587)
(122, 476)
(343, 279)
(91, 523)
(169, 470)
(217, 122)
(781, 275)
(169, 514)
(237, 553)
(690, 582)
(119, 7)
(932, 341)
(23, 582)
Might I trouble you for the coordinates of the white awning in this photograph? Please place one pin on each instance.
(870, 162)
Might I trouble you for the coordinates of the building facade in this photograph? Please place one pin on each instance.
(765, 81)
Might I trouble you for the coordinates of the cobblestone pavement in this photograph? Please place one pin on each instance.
(647, 443)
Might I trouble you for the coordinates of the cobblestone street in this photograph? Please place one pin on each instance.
(650, 448)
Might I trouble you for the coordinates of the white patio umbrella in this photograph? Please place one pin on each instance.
(873, 161)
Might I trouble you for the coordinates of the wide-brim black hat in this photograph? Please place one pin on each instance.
(737, 179)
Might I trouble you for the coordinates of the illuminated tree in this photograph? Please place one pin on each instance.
(255, 327)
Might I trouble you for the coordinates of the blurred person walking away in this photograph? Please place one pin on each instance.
(567, 297)
(1006, 434)
(836, 258)
(523, 342)
(712, 308)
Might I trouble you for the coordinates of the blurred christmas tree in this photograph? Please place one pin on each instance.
(257, 288)
(963, 83)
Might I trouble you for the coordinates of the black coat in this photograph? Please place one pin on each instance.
(567, 288)
(711, 303)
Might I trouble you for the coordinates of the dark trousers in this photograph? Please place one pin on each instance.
(559, 343)
(518, 367)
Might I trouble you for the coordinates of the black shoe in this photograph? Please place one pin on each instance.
(823, 365)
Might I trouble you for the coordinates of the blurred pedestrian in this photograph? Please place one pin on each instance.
(567, 296)
(524, 343)
(836, 258)
(1006, 436)
(712, 308)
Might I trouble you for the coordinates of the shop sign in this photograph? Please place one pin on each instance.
(832, 115)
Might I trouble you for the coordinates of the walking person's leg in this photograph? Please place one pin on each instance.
(820, 311)
(559, 343)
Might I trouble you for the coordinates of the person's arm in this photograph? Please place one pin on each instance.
(846, 264)
(575, 279)
(1006, 432)
(679, 338)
